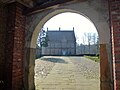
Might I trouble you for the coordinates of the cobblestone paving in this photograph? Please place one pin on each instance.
(66, 73)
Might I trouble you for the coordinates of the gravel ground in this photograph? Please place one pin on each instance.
(43, 66)
(87, 67)
(54, 73)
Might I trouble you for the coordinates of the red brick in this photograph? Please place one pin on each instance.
(117, 84)
(15, 46)
(117, 66)
(115, 13)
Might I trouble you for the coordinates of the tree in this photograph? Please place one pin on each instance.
(89, 40)
(94, 40)
(43, 39)
(97, 45)
(84, 40)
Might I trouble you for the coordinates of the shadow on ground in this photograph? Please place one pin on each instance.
(54, 60)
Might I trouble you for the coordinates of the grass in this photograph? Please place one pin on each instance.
(94, 58)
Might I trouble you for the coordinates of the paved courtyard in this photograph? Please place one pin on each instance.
(66, 73)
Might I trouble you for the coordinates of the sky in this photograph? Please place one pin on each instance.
(68, 20)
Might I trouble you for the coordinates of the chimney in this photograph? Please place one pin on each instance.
(59, 28)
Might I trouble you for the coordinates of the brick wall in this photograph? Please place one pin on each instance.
(2, 45)
(115, 32)
(14, 46)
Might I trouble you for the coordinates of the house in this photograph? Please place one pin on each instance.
(61, 43)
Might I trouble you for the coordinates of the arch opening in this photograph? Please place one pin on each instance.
(56, 12)
(50, 52)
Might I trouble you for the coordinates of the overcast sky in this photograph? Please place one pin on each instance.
(68, 20)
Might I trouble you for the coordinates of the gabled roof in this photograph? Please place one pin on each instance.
(59, 36)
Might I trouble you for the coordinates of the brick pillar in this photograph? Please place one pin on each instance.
(114, 6)
(15, 36)
(105, 73)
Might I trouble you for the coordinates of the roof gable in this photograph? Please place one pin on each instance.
(61, 36)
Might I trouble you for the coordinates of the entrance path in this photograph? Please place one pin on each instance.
(66, 73)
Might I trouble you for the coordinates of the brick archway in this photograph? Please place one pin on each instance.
(104, 34)
(17, 51)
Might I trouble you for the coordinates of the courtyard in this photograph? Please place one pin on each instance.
(66, 73)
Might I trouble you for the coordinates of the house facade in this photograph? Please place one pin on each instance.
(61, 43)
